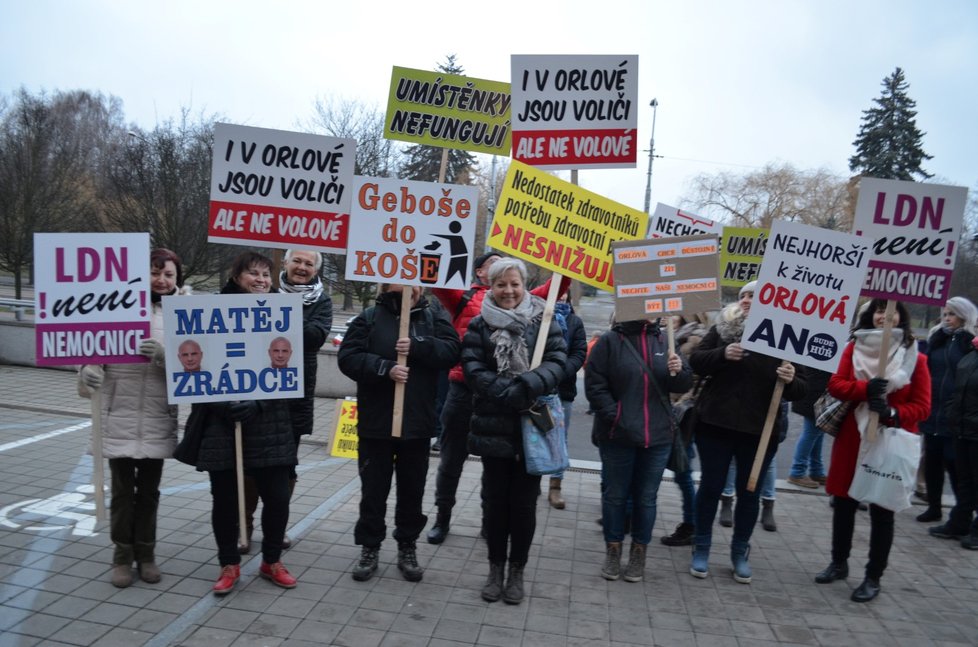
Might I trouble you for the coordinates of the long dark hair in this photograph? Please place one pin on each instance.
(864, 319)
(158, 258)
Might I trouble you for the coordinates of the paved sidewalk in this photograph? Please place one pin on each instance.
(55, 562)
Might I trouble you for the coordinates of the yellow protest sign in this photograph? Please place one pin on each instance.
(741, 254)
(449, 111)
(345, 439)
(560, 226)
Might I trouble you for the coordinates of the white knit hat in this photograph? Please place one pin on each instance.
(749, 287)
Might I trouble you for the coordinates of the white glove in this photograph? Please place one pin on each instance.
(92, 375)
(152, 349)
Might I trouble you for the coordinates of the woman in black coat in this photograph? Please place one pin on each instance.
(496, 354)
(962, 416)
(368, 356)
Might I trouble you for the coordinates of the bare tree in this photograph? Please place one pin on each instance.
(52, 150)
(376, 157)
(775, 192)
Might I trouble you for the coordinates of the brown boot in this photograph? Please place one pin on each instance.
(554, 497)
(251, 504)
(121, 575)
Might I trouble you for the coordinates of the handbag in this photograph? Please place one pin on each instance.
(188, 449)
(544, 436)
(830, 412)
(886, 472)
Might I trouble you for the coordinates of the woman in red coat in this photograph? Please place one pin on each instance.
(902, 399)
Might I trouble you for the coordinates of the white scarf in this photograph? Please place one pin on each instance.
(310, 291)
(865, 364)
(507, 331)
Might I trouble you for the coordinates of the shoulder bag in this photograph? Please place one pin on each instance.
(830, 412)
(544, 436)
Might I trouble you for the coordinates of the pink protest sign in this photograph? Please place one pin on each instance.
(916, 228)
(91, 298)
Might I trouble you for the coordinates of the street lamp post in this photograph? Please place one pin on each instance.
(648, 182)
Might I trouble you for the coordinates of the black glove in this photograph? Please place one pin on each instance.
(241, 411)
(876, 387)
(516, 396)
(879, 405)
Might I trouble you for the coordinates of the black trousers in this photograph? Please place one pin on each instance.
(455, 417)
(132, 512)
(510, 499)
(963, 513)
(880, 534)
(379, 460)
(938, 458)
(273, 488)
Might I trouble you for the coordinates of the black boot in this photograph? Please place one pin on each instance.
(683, 536)
(367, 565)
(407, 561)
(513, 591)
(493, 589)
(834, 571)
(439, 531)
(866, 591)
(767, 515)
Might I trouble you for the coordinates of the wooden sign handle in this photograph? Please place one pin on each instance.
(548, 315)
(98, 467)
(772, 416)
(239, 473)
(405, 322)
(874, 417)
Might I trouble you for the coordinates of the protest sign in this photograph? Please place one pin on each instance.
(806, 294)
(668, 276)
(916, 228)
(560, 226)
(741, 253)
(91, 298)
(225, 347)
(573, 112)
(411, 233)
(668, 222)
(449, 111)
(275, 188)
(345, 442)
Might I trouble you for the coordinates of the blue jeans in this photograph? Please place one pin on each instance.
(767, 484)
(684, 481)
(808, 452)
(717, 447)
(635, 471)
(568, 408)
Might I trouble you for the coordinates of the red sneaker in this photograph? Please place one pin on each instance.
(229, 575)
(278, 575)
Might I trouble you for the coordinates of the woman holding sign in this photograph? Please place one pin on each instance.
(139, 430)
(269, 453)
(902, 399)
(496, 363)
(731, 411)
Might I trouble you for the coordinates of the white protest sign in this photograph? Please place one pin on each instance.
(411, 233)
(806, 294)
(225, 347)
(668, 222)
(276, 188)
(916, 228)
(574, 111)
(91, 297)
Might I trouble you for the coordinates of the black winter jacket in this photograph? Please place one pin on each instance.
(576, 354)
(266, 438)
(367, 355)
(317, 319)
(494, 429)
(944, 351)
(962, 408)
(628, 409)
(738, 393)
(816, 383)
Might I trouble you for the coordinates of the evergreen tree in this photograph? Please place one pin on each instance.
(889, 144)
(424, 162)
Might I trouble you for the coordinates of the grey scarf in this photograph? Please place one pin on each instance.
(310, 292)
(507, 327)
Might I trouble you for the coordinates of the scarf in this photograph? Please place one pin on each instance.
(508, 327)
(730, 324)
(310, 292)
(865, 363)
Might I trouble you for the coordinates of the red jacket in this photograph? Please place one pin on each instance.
(912, 403)
(451, 299)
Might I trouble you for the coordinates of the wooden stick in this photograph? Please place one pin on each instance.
(444, 165)
(398, 417)
(772, 416)
(874, 417)
(671, 336)
(98, 469)
(548, 314)
(239, 470)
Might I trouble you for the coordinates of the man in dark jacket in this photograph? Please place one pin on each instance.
(368, 355)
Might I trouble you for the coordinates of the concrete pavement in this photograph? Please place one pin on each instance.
(55, 562)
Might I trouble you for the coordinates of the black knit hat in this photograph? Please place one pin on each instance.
(481, 260)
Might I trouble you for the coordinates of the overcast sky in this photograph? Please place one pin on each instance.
(739, 84)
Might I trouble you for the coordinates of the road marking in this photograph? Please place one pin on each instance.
(51, 434)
